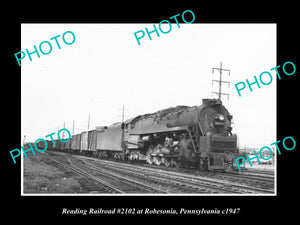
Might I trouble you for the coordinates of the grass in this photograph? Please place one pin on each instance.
(41, 177)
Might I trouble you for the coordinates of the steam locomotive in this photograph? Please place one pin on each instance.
(182, 136)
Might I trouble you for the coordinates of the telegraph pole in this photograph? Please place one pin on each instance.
(64, 132)
(73, 127)
(123, 113)
(24, 140)
(220, 81)
(89, 122)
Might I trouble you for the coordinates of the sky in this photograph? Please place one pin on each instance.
(105, 69)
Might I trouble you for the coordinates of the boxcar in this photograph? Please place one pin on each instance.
(75, 143)
(92, 140)
(84, 142)
(49, 145)
(66, 146)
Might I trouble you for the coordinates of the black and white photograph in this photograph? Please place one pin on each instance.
(177, 114)
(150, 113)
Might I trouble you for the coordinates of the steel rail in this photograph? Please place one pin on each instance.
(79, 171)
(188, 180)
(128, 181)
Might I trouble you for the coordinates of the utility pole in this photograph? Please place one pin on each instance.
(24, 140)
(220, 81)
(89, 122)
(64, 132)
(73, 127)
(123, 113)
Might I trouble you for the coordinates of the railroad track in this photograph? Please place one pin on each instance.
(176, 182)
(261, 173)
(171, 184)
(124, 184)
(257, 180)
(93, 183)
(118, 177)
(107, 182)
(251, 178)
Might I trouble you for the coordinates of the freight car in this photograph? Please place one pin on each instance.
(198, 136)
(75, 143)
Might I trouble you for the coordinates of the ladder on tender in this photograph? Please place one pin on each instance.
(194, 135)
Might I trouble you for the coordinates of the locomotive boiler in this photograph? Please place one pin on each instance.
(199, 137)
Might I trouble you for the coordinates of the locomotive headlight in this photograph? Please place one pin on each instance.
(219, 120)
(221, 117)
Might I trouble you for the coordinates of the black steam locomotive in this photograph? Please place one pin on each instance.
(182, 136)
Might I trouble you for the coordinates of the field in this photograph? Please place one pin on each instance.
(41, 177)
(262, 165)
